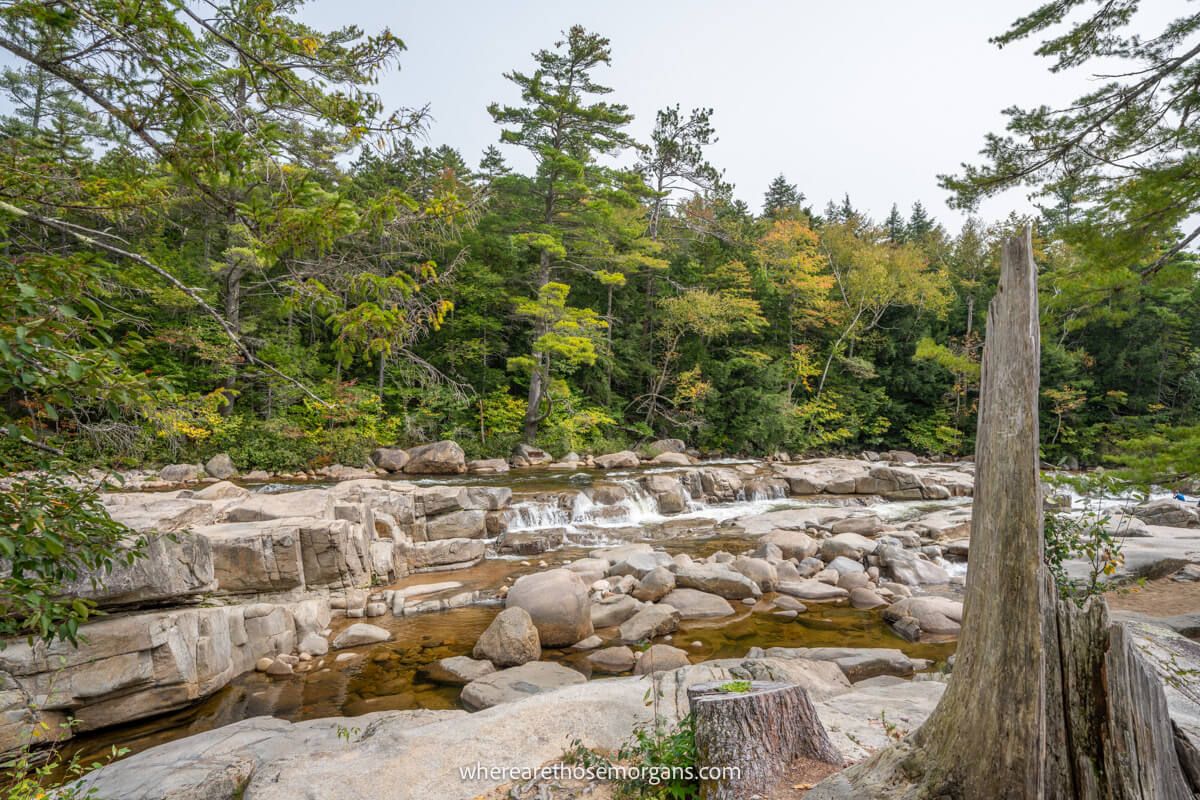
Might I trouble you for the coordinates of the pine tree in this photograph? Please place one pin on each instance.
(920, 224)
(782, 199)
(565, 129)
(894, 226)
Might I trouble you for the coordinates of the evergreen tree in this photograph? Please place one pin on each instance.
(566, 130)
(782, 198)
(894, 226)
(919, 225)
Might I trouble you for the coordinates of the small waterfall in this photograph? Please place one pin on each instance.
(762, 491)
(534, 515)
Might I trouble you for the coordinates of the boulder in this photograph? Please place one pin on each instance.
(440, 458)
(314, 644)
(759, 570)
(667, 492)
(528, 456)
(910, 569)
(865, 525)
(613, 610)
(694, 604)
(445, 554)
(671, 460)
(221, 490)
(844, 566)
(932, 617)
(811, 589)
(488, 466)
(1168, 512)
(717, 579)
(510, 640)
(648, 623)
(660, 658)
(559, 604)
(612, 660)
(639, 564)
(469, 523)
(181, 473)
(360, 633)
(532, 543)
(457, 670)
(849, 545)
(857, 663)
(261, 507)
(865, 598)
(516, 683)
(391, 459)
(792, 544)
(623, 459)
(220, 467)
(663, 446)
(655, 585)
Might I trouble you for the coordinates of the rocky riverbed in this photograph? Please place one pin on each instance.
(290, 628)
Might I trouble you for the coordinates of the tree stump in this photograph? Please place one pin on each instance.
(752, 737)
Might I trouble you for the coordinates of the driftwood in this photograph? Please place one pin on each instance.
(1046, 700)
(752, 737)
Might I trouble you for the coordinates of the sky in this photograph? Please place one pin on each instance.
(873, 98)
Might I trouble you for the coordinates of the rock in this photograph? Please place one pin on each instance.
(313, 503)
(264, 663)
(655, 585)
(360, 633)
(391, 459)
(854, 580)
(181, 473)
(843, 566)
(660, 658)
(220, 467)
(488, 466)
(457, 670)
(516, 683)
(375, 609)
(907, 568)
(440, 458)
(639, 564)
(445, 554)
(718, 580)
(590, 643)
(510, 640)
(759, 570)
(221, 490)
(527, 456)
(863, 597)
(933, 617)
(559, 604)
(671, 460)
(1124, 525)
(314, 644)
(695, 604)
(789, 603)
(662, 446)
(866, 525)
(847, 545)
(612, 660)
(667, 492)
(792, 544)
(648, 623)
(532, 543)
(279, 668)
(174, 567)
(257, 476)
(1168, 512)
(613, 611)
(620, 460)
(812, 590)
(857, 663)
(852, 719)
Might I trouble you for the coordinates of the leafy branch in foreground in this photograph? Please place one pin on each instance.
(54, 534)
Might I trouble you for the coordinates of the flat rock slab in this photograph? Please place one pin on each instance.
(517, 683)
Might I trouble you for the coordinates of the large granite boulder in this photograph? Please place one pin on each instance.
(613, 610)
(559, 604)
(360, 633)
(1168, 512)
(910, 569)
(391, 459)
(623, 459)
(925, 618)
(517, 683)
(660, 658)
(439, 458)
(304, 503)
(611, 660)
(181, 473)
(510, 640)
(661, 446)
(792, 544)
(655, 585)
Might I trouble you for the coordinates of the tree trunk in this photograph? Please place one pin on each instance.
(1046, 700)
(746, 741)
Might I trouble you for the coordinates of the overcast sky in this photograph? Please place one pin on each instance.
(870, 97)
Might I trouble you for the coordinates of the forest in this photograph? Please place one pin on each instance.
(219, 240)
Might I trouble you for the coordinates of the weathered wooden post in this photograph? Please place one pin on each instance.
(750, 737)
(1046, 700)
